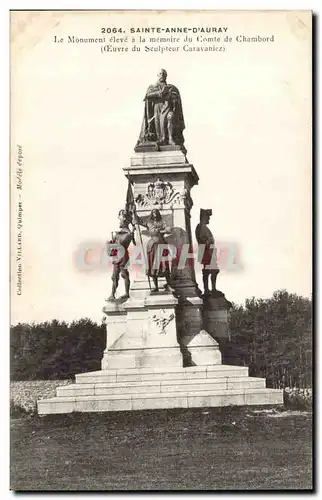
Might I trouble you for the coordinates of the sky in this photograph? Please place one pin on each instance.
(77, 113)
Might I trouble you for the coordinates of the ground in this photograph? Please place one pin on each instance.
(195, 449)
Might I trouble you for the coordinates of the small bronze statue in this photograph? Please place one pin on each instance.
(122, 237)
(163, 121)
(205, 237)
(157, 267)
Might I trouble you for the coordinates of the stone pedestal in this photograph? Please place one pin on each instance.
(204, 350)
(216, 316)
(163, 180)
(141, 333)
(216, 311)
(115, 327)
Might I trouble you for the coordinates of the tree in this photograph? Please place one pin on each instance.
(274, 336)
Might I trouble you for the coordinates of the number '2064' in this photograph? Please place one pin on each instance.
(112, 30)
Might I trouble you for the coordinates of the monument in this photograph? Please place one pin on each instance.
(164, 336)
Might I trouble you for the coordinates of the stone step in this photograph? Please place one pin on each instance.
(160, 386)
(171, 373)
(184, 399)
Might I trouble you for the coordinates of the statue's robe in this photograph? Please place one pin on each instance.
(156, 110)
(156, 238)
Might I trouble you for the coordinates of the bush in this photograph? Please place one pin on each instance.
(25, 394)
(18, 411)
(297, 399)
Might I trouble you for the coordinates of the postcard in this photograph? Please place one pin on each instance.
(161, 308)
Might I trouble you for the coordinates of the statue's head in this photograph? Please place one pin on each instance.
(155, 214)
(124, 218)
(162, 75)
(205, 215)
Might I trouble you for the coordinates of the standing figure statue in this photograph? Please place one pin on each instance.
(205, 237)
(157, 267)
(163, 121)
(122, 237)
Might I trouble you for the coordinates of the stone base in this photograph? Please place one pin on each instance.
(153, 146)
(150, 156)
(147, 388)
(141, 333)
(141, 288)
(203, 350)
(229, 352)
(216, 316)
(145, 358)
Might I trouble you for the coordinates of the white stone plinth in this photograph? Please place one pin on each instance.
(143, 331)
(204, 350)
(152, 158)
(145, 358)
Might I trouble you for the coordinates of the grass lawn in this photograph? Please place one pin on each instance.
(214, 448)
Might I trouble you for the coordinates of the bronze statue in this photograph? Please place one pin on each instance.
(163, 121)
(122, 237)
(205, 237)
(157, 267)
